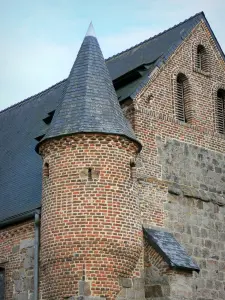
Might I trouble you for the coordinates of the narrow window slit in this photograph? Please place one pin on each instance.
(46, 170)
(220, 111)
(202, 61)
(183, 109)
(89, 174)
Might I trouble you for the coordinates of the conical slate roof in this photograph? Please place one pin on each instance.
(90, 102)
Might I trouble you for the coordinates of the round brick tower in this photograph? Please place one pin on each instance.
(90, 223)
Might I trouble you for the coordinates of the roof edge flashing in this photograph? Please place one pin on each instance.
(18, 218)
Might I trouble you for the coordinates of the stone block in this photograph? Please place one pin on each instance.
(28, 262)
(153, 291)
(174, 189)
(29, 283)
(26, 243)
(126, 282)
(22, 296)
(84, 288)
(122, 293)
(18, 284)
(23, 274)
(138, 284)
(130, 294)
(31, 296)
(16, 275)
(30, 252)
(140, 295)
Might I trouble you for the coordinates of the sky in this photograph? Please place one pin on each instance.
(40, 38)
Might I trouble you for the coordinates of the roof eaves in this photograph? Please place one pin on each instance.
(37, 147)
(18, 218)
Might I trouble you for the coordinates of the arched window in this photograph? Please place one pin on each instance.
(201, 59)
(182, 96)
(220, 100)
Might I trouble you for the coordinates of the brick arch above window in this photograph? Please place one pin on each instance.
(45, 169)
(182, 96)
(201, 58)
(219, 108)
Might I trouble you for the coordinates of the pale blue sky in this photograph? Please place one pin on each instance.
(40, 38)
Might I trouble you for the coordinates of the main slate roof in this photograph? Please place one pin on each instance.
(90, 103)
(20, 165)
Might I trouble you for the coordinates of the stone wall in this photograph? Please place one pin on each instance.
(17, 259)
(199, 168)
(193, 210)
(199, 226)
(180, 169)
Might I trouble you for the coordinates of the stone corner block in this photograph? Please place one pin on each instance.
(84, 288)
(126, 282)
(26, 243)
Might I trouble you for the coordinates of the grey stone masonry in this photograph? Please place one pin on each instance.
(199, 227)
(201, 169)
(131, 289)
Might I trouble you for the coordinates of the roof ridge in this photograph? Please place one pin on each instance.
(34, 96)
(156, 35)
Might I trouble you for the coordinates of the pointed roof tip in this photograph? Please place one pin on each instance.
(91, 31)
(89, 103)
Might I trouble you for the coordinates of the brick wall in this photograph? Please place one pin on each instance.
(16, 258)
(195, 211)
(90, 219)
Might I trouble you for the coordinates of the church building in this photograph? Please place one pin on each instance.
(112, 181)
